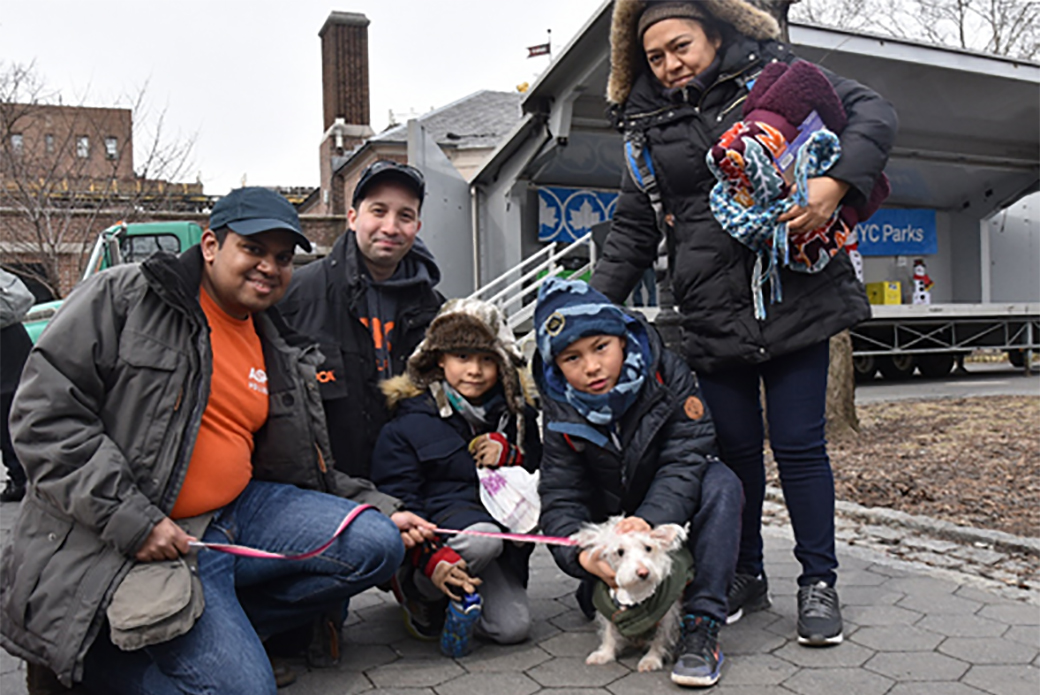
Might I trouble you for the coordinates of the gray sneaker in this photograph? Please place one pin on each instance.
(819, 616)
(747, 594)
(698, 659)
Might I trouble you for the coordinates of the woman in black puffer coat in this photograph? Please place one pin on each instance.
(680, 73)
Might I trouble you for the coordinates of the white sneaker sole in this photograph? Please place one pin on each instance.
(817, 641)
(694, 682)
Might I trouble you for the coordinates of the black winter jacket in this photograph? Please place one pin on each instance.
(667, 440)
(325, 302)
(711, 271)
(422, 459)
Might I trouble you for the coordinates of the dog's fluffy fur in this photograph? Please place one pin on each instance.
(640, 560)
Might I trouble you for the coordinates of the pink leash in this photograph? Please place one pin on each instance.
(519, 537)
(243, 551)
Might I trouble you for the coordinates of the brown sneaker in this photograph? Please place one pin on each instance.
(284, 675)
(323, 651)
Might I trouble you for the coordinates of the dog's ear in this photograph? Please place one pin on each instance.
(670, 536)
(589, 536)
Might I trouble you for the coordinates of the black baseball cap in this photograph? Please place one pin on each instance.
(386, 169)
(253, 209)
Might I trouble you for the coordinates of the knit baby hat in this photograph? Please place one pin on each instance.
(568, 310)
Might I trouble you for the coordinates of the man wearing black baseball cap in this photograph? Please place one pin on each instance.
(368, 304)
(168, 402)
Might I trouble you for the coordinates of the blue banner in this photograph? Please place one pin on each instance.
(898, 233)
(565, 214)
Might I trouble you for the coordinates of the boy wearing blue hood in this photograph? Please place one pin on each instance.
(625, 431)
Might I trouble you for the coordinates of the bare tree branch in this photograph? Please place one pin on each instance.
(1000, 27)
(66, 171)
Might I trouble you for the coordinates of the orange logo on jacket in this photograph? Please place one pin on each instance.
(326, 376)
(693, 408)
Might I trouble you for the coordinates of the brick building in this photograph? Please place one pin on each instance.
(66, 173)
(85, 142)
(466, 130)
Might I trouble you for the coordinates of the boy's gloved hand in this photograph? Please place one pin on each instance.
(492, 450)
(453, 574)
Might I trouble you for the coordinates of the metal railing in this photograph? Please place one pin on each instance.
(515, 291)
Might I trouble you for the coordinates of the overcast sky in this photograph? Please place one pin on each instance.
(244, 76)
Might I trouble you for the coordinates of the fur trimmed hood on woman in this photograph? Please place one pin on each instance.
(626, 48)
(464, 325)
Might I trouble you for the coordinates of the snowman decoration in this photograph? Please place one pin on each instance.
(922, 284)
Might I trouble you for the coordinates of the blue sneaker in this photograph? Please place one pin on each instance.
(698, 659)
(460, 621)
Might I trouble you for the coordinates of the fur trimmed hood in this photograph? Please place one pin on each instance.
(463, 325)
(626, 51)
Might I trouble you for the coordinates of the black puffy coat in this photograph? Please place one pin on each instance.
(422, 459)
(711, 271)
(667, 441)
(325, 302)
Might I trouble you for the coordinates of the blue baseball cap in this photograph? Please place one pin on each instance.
(251, 210)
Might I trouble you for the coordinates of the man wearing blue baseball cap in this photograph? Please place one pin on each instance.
(169, 402)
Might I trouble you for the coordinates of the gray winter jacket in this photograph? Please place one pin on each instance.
(105, 421)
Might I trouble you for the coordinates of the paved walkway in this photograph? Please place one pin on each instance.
(910, 629)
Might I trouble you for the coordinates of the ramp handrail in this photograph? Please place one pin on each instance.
(508, 290)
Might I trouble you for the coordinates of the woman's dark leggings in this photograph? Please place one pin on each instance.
(796, 398)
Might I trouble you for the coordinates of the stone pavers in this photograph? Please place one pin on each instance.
(911, 629)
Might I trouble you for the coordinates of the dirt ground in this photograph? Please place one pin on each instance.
(972, 461)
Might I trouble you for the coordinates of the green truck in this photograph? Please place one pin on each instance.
(121, 243)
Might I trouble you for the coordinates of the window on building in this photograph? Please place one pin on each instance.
(17, 143)
(82, 146)
(48, 142)
(111, 147)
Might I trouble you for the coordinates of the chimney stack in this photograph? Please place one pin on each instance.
(344, 68)
(345, 101)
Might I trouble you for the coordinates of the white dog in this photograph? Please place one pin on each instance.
(641, 561)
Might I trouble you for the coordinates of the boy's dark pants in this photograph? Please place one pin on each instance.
(714, 541)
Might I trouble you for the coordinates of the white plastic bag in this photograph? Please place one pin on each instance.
(510, 494)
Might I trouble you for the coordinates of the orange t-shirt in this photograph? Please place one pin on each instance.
(221, 464)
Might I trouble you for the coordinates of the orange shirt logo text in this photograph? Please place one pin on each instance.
(326, 376)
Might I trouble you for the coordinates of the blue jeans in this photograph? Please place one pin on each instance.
(713, 542)
(796, 400)
(249, 599)
(645, 291)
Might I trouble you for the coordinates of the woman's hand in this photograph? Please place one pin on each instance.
(823, 197)
(590, 560)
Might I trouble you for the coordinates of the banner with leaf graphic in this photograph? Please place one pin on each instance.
(566, 214)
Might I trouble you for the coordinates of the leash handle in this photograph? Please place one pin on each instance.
(519, 537)
(243, 551)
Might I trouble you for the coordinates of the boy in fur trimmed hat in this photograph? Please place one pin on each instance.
(461, 405)
(626, 432)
